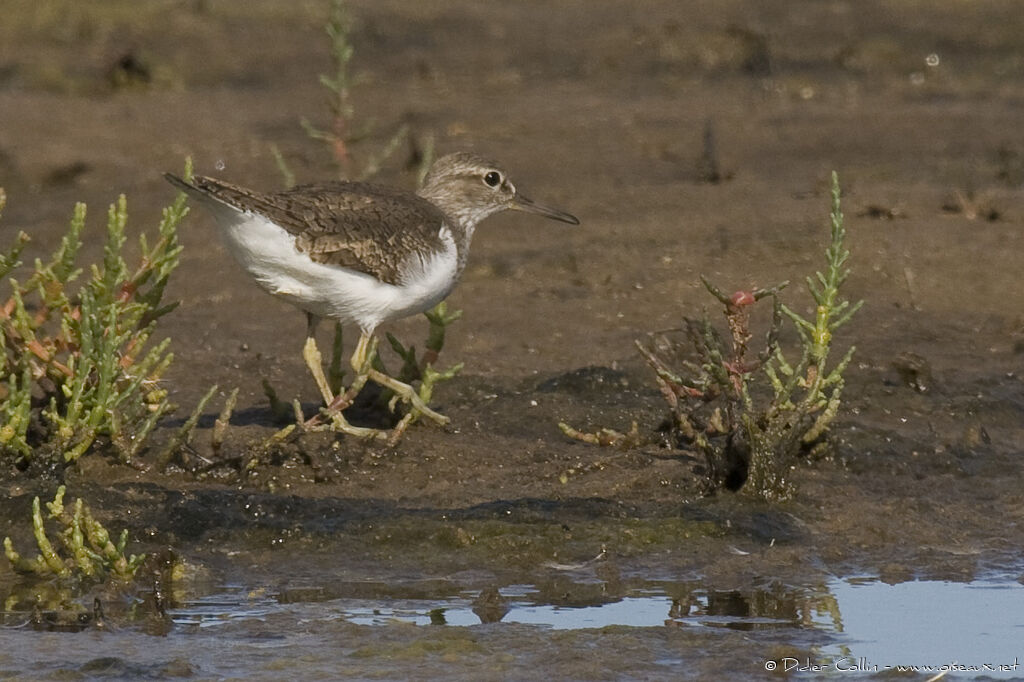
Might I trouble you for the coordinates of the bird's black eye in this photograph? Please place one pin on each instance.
(492, 179)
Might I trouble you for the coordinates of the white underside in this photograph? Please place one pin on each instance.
(268, 253)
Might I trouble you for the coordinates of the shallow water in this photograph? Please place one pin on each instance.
(656, 631)
(969, 628)
(645, 608)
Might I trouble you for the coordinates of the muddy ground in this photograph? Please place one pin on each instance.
(601, 108)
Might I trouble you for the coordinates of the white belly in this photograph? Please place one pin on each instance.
(268, 253)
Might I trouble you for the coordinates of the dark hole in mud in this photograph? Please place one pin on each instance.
(586, 381)
(130, 70)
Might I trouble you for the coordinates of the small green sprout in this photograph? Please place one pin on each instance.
(344, 135)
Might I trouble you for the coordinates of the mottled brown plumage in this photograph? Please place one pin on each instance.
(364, 227)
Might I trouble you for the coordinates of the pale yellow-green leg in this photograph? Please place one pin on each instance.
(339, 423)
(408, 394)
(362, 360)
(343, 400)
(362, 363)
(400, 427)
(314, 360)
(364, 353)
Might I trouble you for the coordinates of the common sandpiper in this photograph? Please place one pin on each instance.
(362, 253)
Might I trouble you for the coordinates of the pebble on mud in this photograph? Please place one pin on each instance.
(914, 371)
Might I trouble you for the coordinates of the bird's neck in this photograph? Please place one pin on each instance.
(462, 218)
(459, 220)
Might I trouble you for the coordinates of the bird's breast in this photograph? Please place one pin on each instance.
(429, 276)
(270, 255)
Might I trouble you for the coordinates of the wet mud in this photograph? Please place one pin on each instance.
(689, 139)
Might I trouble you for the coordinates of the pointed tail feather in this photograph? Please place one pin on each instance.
(180, 183)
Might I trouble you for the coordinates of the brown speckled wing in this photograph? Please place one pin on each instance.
(359, 226)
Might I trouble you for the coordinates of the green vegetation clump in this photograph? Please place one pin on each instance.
(752, 418)
(85, 549)
(79, 365)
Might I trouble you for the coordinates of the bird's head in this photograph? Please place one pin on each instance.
(469, 188)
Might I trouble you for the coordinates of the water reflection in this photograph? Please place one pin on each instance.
(556, 604)
(872, 625)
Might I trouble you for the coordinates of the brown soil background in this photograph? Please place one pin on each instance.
(599, 108)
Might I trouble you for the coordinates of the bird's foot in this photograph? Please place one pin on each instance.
(330, 418)
(400, 427)
(339, 424)
(407, 394)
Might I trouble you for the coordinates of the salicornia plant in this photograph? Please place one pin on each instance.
(77, 365)
(83, 549)
(752, 417)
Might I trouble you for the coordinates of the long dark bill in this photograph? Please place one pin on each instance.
(521, 203)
